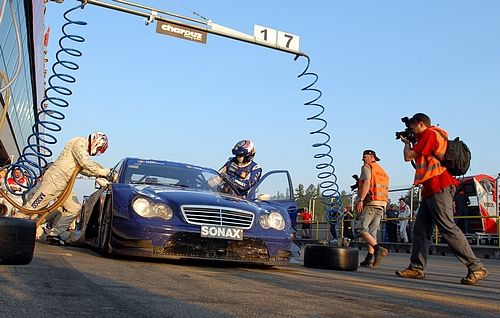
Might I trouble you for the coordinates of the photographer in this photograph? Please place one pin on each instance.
(373, 190)
(437, 201)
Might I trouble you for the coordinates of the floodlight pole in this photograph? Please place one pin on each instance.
(227, 33)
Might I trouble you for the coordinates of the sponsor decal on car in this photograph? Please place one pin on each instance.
(222, 232)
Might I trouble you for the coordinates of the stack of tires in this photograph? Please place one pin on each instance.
(331, 257)
(17, 241)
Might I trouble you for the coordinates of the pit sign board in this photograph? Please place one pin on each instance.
(279, 38)
(181, 31)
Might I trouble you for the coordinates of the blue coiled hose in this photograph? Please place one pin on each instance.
(328, 186)
(33, 159)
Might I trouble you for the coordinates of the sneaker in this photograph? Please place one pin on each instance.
(368, 261)
(473, 277)
(411, 273)
(54, 240)
(381, 253)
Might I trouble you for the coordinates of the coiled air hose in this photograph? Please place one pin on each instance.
(328, 186)
(33, 159)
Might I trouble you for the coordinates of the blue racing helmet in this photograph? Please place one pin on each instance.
(246, 148)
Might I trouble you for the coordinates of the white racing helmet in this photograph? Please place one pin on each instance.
(98, 143)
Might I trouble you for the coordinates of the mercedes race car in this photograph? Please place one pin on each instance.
(165, 209)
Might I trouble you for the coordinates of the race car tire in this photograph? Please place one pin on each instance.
(105, 229)
(17, 241)
(331, 257)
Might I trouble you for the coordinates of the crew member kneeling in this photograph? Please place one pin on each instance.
(75, 153)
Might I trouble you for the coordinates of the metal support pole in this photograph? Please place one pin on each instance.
(235, 36)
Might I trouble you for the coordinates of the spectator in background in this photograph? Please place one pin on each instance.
(462, 202)
(348, 218)
(391, 223)
(306, 223)
(404, 215)
(333, 232)
(17, 183)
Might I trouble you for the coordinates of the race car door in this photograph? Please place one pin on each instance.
(277, 187)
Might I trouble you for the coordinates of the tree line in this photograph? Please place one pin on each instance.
(305, 197)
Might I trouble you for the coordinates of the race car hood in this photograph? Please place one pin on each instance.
(179, 197)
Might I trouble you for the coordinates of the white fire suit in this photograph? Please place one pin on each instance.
(56, 179)
(404, 212)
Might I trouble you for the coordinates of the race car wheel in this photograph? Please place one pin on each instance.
(17, 241)
(331, 257)
(105, 229)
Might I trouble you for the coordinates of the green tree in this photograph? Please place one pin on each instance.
(299, 192)
(301, 199)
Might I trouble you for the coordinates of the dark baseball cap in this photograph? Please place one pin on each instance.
(420, 117)
(371, 152)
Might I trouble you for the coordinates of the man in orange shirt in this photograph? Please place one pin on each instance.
(437, 202)
(306, 223)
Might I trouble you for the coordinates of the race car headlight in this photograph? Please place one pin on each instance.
(272, 220)
(148, 209)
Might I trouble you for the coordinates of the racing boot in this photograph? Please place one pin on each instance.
(369, 259)
(54, 240)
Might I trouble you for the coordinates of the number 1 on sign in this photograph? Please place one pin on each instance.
(264, 34)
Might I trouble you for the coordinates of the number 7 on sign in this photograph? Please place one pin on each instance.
(290, 41)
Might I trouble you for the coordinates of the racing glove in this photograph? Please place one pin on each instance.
(104, 172)
(102, 182)
(214, 181)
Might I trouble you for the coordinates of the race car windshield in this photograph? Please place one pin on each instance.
(166, 174)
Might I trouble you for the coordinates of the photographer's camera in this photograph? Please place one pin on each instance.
(407, 133)
(355, 186)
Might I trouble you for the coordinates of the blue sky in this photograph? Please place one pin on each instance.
(165, 98)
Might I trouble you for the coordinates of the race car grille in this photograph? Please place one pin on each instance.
(213, 215)
(192, 245)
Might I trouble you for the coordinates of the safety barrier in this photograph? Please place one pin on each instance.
(320, 228)
(437, 237)
(321, 231)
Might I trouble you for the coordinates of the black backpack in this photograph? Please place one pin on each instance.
(457, 157)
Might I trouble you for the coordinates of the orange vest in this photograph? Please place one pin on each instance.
(379, 183)
(427, 167)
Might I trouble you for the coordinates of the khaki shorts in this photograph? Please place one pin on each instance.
(369, 220)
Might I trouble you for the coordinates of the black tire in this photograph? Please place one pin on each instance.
(105, 229)
(17, 241)
(331, 257)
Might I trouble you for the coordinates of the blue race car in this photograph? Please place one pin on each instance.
(166, 209)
